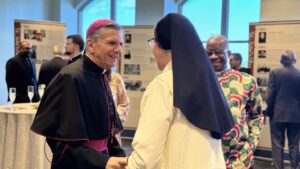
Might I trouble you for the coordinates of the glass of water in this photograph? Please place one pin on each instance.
(12, 95)
(41, 90)
(30, 92)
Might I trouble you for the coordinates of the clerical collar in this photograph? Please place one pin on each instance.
(90, 65)
(104, 71)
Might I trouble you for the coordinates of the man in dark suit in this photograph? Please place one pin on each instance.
(74, 47)
(53, 66)
(21, 72)
(284, 109)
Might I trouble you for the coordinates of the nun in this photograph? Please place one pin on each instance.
(184, 113)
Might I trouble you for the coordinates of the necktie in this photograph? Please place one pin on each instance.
(32, 71)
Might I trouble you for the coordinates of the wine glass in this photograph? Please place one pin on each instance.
(30, 92)
(12, 96)
(41, 90)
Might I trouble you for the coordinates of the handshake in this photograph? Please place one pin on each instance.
(116, 163)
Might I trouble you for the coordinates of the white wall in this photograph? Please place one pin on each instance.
(148, 12)
(278, 10)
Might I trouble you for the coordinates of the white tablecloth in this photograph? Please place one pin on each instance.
(19, 147)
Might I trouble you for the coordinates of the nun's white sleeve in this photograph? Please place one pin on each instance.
(154, 124)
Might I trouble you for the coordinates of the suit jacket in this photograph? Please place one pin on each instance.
(20, 73)
(284, 95)
(243, 69)
(75, 58)
(50, 69)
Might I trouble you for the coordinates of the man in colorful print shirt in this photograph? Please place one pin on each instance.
(242, 94)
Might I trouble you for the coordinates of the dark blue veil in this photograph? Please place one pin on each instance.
(197, 92)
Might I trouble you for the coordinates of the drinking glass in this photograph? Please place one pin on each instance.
(12, 96)
(30, 92)
(41, 90)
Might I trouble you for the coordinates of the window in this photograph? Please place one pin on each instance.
(241, 13)
(205, 16)
(124, 12)
(93, 11)
(207, 19)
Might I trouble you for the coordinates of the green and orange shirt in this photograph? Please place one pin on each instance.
(245, 102)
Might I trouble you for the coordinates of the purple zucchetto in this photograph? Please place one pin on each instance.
(96, 25)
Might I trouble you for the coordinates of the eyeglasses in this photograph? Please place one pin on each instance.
(151, 42)
(216, 52)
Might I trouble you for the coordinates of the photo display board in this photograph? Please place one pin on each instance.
(137, 68)
(43, 35)
(267, 41)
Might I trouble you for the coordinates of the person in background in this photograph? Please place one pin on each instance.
(74, 47)
(180, 124)
(283, 99)
(21, 72)
(77, 114)
(120, 97)
(52, 67)
(245, 102)
(235, 61)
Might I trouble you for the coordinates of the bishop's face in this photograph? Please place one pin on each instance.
(106, 51)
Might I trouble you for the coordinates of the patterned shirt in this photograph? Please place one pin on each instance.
(244, 100)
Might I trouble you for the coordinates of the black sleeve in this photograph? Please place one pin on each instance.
(75, 155)
(271, 94)
(11, 78)
(41, 79)
(11, 74)
(115, 149)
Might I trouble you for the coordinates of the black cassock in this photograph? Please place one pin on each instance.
(77, 107)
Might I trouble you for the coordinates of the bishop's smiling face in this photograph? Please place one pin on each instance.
(106, 51)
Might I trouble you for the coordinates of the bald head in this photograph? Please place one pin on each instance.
(288, 57)
(25, 48)
(58, 49)
(25, 45)
(217, 41)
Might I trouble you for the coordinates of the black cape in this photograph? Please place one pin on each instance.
(75, 108)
